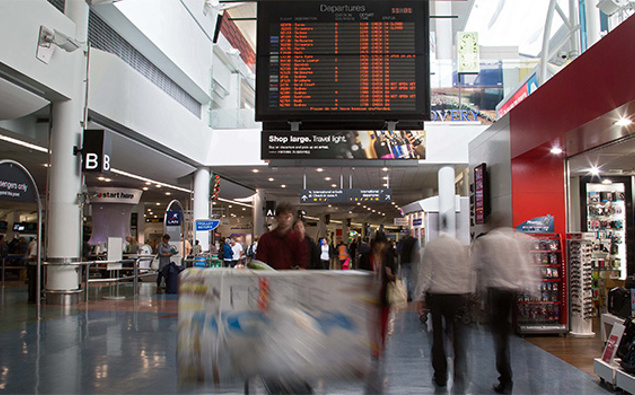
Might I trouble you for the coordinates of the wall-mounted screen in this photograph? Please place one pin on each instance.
(350, 61)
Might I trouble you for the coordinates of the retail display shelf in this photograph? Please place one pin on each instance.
(625, 381)
(525, 329)
(604, 371)
(551, 279)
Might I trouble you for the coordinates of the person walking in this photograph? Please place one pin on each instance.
(502, 269)
(325, 253)
(165, 251)
(282, 248)
(408, 257)
(445, 279)
(381, 261)
(312, 249)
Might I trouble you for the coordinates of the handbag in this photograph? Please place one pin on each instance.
(155, 263)
(397, 295)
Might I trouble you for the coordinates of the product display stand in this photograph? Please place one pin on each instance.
(579, 247)
(546, 313)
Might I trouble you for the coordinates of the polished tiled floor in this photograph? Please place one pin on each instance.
(129, 346)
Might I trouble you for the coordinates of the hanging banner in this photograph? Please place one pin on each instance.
(468, 59)
(16, 184)
(115, 195)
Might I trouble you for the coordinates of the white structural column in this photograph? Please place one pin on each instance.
(65, 182)
(592, 22)
(444, 42)
(201, 204)
(447, 200)
(258, 212)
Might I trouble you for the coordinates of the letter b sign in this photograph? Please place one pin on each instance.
(96, 151)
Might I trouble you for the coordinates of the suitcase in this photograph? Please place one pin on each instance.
(171, 275)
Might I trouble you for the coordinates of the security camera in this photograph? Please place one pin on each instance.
(65, 42)
(563, 55)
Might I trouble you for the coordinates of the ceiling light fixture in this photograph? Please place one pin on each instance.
(255, 171)
(158, 204)
(385, 169)
(168, 194)
(271, 179)
(100, 178)
(623, 122)
(319, 169)
(145, 188)
(556, 150)
(594, 170)
(606, 181)
(283, 186)
(334, 185)
(327, 178)
(148, 181)
(23, 143)
(107, 179)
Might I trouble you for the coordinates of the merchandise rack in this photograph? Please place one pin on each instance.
(579, 257)
(545, 313)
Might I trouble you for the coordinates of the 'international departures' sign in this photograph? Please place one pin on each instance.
(345, 195)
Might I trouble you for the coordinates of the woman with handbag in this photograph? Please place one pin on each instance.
(381, 261)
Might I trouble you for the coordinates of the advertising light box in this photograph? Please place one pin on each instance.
(380, 144)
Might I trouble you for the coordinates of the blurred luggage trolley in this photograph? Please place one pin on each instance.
(238, 325)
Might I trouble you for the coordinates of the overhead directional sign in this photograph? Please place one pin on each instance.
(206, 224)
(345, 195)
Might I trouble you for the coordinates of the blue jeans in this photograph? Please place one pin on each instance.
(406, 273)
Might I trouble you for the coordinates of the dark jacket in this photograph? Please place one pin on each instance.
(314, 254)
(389, 260)
(282, 251)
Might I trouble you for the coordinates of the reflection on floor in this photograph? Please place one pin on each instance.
(129, 346)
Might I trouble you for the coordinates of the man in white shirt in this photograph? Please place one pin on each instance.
(237, 249)
(502, 269)
(444, 280)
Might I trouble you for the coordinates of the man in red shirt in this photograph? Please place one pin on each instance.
(282, 248)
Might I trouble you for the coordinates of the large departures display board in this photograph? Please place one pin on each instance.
(342, 60)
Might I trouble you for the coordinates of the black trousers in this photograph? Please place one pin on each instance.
(500, 302)
(446, 306)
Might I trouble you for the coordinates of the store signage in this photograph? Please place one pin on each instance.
(468, 59)
(543, 224)
(417, 222)
(401, 221)
(115, 195)
(154, 220)
(16, 184)
(454, 116)
(345, 195)
(366, 144)
(270, 208)
(203, 225)
(173, 218)
(521, 94)
(96, 151)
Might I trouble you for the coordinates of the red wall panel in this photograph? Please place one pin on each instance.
(595, 83)
(538, 189)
